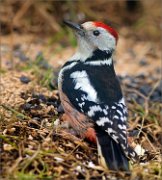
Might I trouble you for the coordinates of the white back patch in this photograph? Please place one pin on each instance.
(82, 82)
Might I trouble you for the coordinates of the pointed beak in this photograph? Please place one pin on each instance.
(77, 27)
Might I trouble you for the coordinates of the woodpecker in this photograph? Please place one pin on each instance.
(91, 95)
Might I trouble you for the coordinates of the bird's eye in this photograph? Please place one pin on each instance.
(96, 32)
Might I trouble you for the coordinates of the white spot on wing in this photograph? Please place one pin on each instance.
(123, 147)
(105, 111)
(81, 104)
(120, 105)
(125, 110)
(103, 120)
(122, 101)
(94, 109)
(124, 118)
(113, 134)
(113, 107)
(116, 117)
(83, 97)
(110, 130)
(121, 126)
(115, 138)
(123, 137)
(120, 113)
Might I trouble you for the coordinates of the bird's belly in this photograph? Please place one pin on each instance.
(77, 120)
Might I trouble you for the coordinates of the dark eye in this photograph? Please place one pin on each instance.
(96, 32)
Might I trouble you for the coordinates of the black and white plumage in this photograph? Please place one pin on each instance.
(89, 86)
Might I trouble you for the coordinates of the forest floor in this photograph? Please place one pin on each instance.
(34, 143)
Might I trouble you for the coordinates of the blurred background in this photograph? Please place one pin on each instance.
(31, 27)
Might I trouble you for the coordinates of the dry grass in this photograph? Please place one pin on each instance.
(35, 146)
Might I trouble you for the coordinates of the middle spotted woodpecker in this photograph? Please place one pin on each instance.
(91, 95)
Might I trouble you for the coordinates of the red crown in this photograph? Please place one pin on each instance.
(108, 28)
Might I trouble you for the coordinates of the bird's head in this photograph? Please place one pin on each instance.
(94, 35)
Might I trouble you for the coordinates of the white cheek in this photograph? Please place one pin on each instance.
(85, 49)
(112, 42)
(103, 42)
(107, 43)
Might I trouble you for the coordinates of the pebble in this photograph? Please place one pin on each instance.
(52, 101)
(60, 109)
(53, 83)
(36, 118)
(32, 125)
(41, 97)
(8, 147)
(30, 137)
(25, 79)
(139, 150)
(91, 165)
(27, 106)
(21, 56)
(54, 80)
(132, 53)
(143, 62)
(145, 89)
(158, 70)
(41, 61)
(56, 122)
(58, 159)
(78, 168)
(140, 83)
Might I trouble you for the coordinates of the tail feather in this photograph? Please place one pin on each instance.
(110, 153)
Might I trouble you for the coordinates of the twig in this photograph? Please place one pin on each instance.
(149, 141)
(51, 20)
(22, 11)
(14, 111)
(31, 159)
(153, 89)
(137, 92)
(13, 167)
